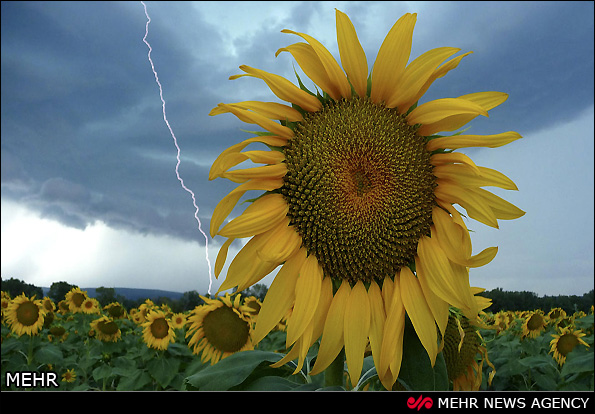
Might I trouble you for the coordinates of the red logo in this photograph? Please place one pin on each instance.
(420, 402)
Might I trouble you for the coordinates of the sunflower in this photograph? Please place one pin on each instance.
(556, 314)
(219, 328)
(359, 199)
(137, 316)
(178, 320)
(25, 316)
(91, 306)
(253, 305)
(75, 298)
(57, 332)
(48, 304)
(63, 307)
(463, 346)
(535, 322)
(115, 310)
(106, 329)
(4, 304)
(69, 376)
(564, 342)
(158, 331)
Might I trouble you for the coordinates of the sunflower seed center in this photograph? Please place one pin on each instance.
(360, 189)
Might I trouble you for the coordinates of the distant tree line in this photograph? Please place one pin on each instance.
(105, 296)
(518, 301)
(501, 299)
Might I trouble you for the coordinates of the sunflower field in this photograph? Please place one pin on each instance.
(149, 348)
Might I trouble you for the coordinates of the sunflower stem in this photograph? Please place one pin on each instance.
(30, 351)
(333, 375)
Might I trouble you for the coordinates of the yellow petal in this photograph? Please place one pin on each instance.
(377, 318)
(501, 208)
(284, 89)
(388, 289)
(470, 177)
(466, 141)
(241, 265)
(392, 58)
(487, 100)
(307, 293)
(326, 298)
(415, 77)
(477, 208)
(222, 256)
(265, 157)
(281, 244)
(436, 111)
(438, 307)
(419, 312)
(456, 243)
(290, 356)
(332, 335)
(314, 329)
(453, 158)
(310, 63)
(332, 68)
(391, 353)
(352, 54)
(266, 172)
(280, 296)
(260, 157)
(256, 118)
(447, 280)
(260, 216)
(356, 330)
(258, 270)
(225, 162)
(227, 203)
(272, 110)
(438, 73)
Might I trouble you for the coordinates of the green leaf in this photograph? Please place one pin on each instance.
(135, 381)
(163, 370)
(102, 372)
(230, 371)
(416, 369)
(48, 354)
(577, 362)
(537, 361)
(271, 383)
(177, 349)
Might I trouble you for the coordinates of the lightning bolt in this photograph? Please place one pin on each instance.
(177, 147)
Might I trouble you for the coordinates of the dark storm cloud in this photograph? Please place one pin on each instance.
(80, 111)
(83, 138)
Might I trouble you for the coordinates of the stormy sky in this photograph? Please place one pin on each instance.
(89, 189)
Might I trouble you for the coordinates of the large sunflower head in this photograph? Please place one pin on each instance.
(219, 328)
(359, 199)
(25, 315)
(565, 341)
(158, 331)
(75, 299)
